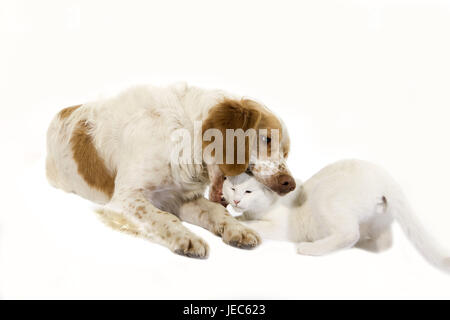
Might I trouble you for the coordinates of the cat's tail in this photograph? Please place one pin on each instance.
(415, 232)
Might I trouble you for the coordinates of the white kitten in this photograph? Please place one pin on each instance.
(348, 203)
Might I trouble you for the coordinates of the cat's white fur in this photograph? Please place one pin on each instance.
(348, 203)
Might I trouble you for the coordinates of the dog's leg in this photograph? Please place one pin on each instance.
(215, 218)
(144, 219)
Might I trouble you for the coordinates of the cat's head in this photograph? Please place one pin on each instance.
(245, 194)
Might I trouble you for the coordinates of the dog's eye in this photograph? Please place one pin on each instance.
(248, 191)
(233, 189)
(266, 139)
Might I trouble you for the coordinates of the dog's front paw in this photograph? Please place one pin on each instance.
(240, 236)
(191, 246)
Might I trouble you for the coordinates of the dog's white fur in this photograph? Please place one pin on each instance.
(348, 203)
(131, 133)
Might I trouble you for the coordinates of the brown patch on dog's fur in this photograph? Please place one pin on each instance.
(269, 122)
(241, 114)
(141, 210)
(66, 112)
(232, 114)
(90, 165)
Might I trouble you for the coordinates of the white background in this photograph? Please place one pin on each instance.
(364, 79)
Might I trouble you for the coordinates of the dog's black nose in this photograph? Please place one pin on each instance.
(285, 183)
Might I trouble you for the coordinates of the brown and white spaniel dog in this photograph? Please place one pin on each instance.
(119, 152)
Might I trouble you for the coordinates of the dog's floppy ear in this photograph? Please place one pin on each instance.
(232, 114)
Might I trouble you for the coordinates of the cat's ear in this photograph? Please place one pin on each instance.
(232, 114)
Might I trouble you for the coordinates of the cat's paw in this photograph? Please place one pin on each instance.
(308, 249)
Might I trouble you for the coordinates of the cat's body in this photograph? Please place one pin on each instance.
(348, 203)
